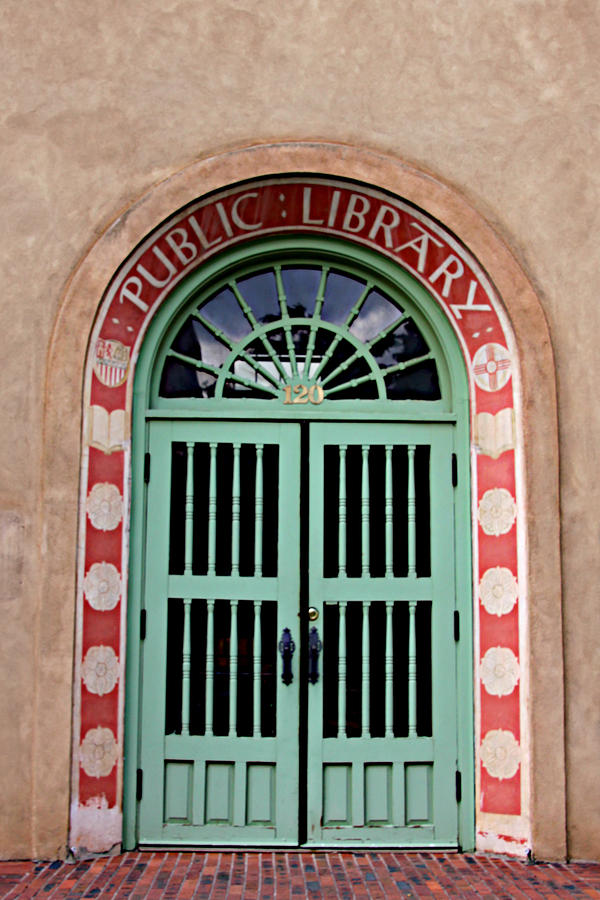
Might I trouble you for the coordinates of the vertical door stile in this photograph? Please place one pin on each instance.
(411, 508)
(185, 668)
(258, 512)
(235, 512)
(342, 513)
(412, 670)
(210, 665)
(187, 602)
(257, 658)
(389, 669)
(389, 514)
(366, 670)
(212, 510)
(365, 501)
(342, 670)
(233, 668)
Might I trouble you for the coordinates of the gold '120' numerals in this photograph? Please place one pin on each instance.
(304, 394)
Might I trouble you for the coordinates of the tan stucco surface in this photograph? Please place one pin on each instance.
(498, 101)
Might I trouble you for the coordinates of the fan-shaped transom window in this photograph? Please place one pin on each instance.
(300, 333)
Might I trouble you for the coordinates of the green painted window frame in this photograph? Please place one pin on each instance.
(453, 407)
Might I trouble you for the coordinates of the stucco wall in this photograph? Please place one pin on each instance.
(499, 101)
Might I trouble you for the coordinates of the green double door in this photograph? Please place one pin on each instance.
(298, 678)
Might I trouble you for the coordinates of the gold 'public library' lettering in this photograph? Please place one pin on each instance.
(188, 243)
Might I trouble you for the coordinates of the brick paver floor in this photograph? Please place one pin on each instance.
(368, 876)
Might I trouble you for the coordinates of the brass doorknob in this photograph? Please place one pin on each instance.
(313, 614)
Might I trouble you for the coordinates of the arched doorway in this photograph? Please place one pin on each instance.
(506, 552)
(300, 558)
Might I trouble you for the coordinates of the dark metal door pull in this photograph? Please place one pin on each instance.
(286, 648)
(314, 648)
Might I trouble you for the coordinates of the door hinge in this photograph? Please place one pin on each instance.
(456, 625)
(142, 625)
(458, 787)
(454, 470)
(147, 468)
(139, 784)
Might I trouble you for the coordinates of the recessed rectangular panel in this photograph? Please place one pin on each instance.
(418, 793)
(378, 794)
(260, 794)
(178, 791)
(219, 792)
(337, 794)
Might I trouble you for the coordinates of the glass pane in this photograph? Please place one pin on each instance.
(420, 382)
(376, 313)
(405, 342)
(224, 312)
(341, 293)
(301, 286)
(260, 293)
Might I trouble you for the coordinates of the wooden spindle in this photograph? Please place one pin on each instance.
(212, 510)
(235, 512)
(342, 513)
(233, 668)
(189, 509)
(411, 509)
(365, 536)
(412, 669)
(185, 668)
(257, 659)
(258, 512)
(366, 670)
(210, 665)
(389, 669)
(389, 514)
(342, 671)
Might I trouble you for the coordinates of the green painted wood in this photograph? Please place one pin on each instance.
(342, 512)
(185, 668)
(258, 512)
(398, 789)
(209, 788)
(235, 513)
(366, 669)
(189, 509)
(366, 752)
(389, 669)
(256, 671)
(365, 543)
(233, 669)
(342, 670)
(411, 512)
(212, 509)
(389, 513)
(210, 667)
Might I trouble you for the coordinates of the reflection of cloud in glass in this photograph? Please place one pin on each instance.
(224, 312)
(341, 294)
(376, 313)
(212, 351)
(260, 293)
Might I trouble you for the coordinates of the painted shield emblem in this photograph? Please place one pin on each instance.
(111, 362)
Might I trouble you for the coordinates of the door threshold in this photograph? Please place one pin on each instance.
(294, 848)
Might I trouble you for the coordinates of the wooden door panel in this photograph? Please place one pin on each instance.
(222, 574)
(382, 719)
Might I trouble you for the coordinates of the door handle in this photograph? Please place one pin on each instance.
(286, 648)
(314, 648)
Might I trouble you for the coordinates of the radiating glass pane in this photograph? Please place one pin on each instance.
(419, 382)
(260, 293)
(301, 286)
(224, 312)
(341, 293)
(376, 313)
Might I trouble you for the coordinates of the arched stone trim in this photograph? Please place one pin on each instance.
(533, 815)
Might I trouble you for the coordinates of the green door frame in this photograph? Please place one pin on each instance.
(453, 408)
